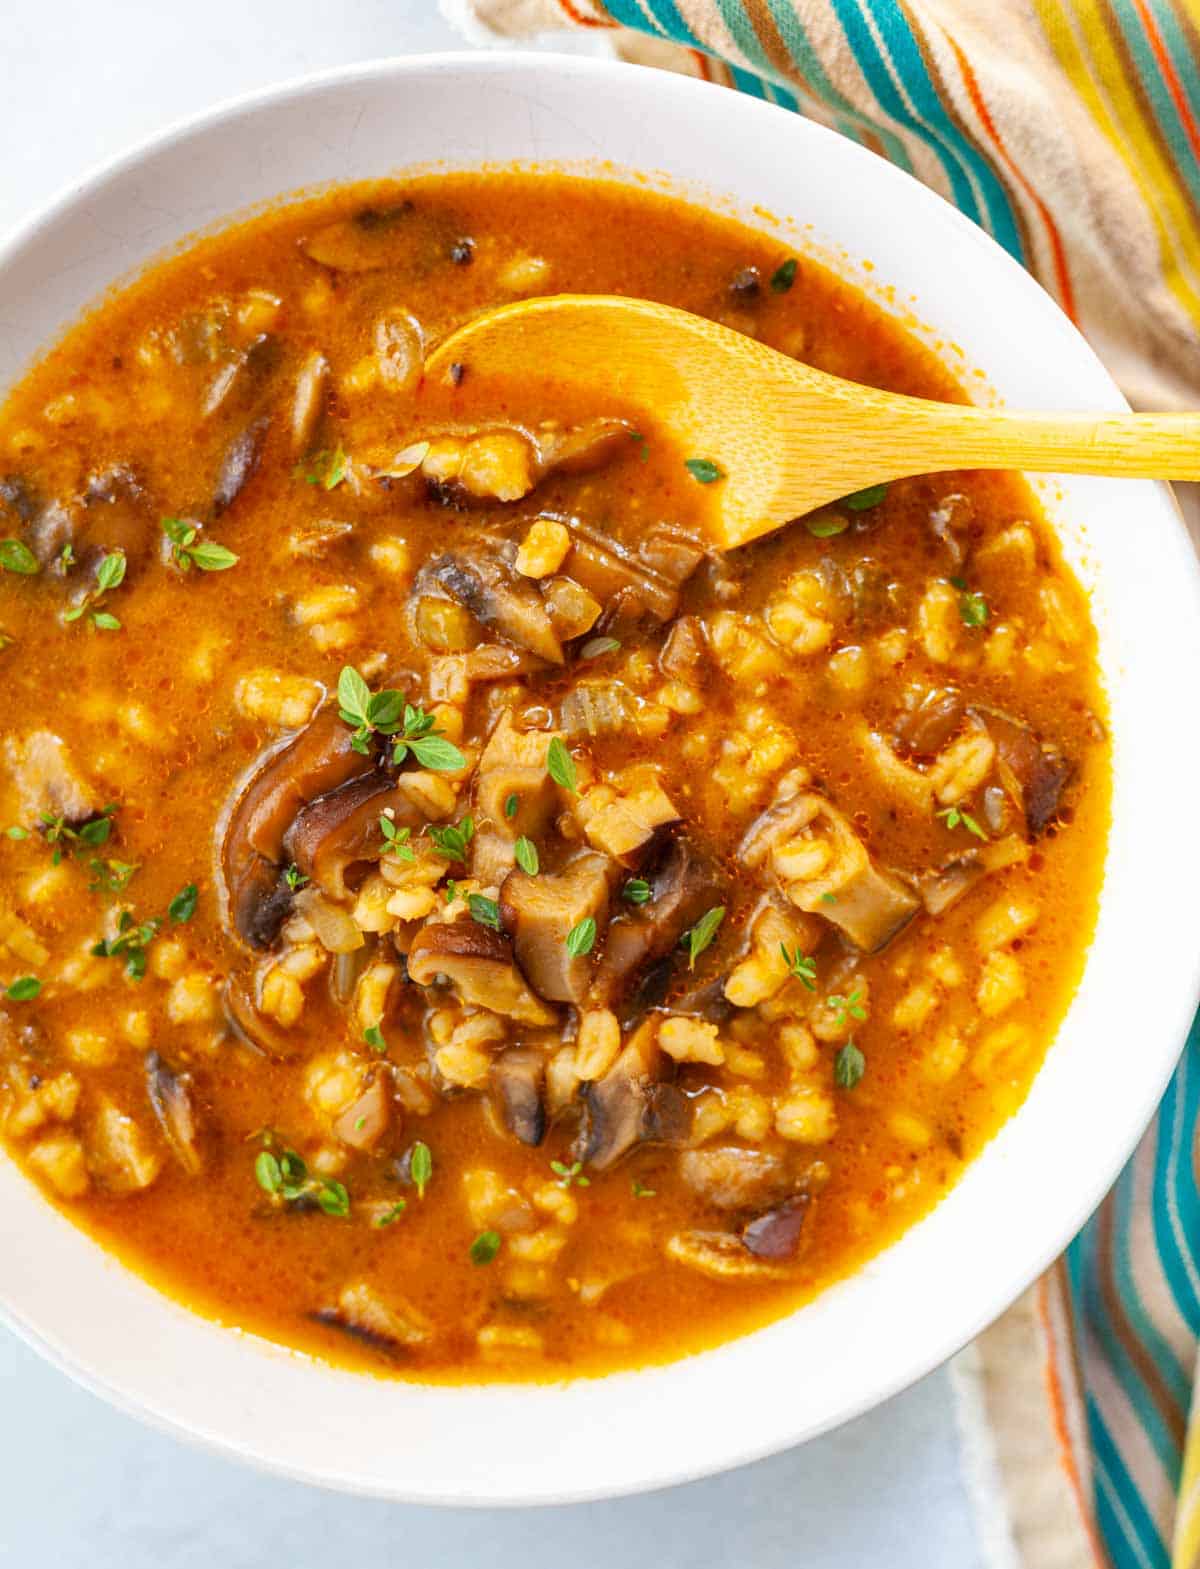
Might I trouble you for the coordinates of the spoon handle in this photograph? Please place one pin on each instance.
(944, 436)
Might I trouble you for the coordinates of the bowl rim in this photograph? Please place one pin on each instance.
(1176, 1020)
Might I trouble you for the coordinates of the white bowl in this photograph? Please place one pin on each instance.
(1023, 1199)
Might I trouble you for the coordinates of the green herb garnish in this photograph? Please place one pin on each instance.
(972, 607)
(640, 1191)
(420, 1166)
(294, 877)
(568, 1175)
(843, 1008)
(485, 1247)
(15, 556)
(328, 469)
(24, 989)
(863, 500)
(703, 470)
(800, 966)
(183, 906)
(373, 1036)
(826, 523)
(188, 550)
(451, 839)
(395, 840)
(560, 765)
(485, 911)
(393, 1213)
(110, 876)
(784, 275)
(581, 939)
(110, 575)
(366, 711)
(430, 748)
(286, 1177)
(526, 856)
(848, 1066)
(699, 937)
(130, 943)
(636, 891)
(511, 804)
(952, 816)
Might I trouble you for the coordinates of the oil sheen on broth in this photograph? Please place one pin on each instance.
(452, 921)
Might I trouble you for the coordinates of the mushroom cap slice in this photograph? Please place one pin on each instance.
(632, 1104)
(341, 829)
(480, 965)
(518, 1079)
(539, 914)
(868, 905)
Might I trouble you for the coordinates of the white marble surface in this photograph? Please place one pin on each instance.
(81, 1485)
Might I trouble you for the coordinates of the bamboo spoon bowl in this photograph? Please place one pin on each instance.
(787, 438)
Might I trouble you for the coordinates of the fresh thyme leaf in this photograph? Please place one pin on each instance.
(189, 551)
(485, 911)
(373, 1036)
(863, 500)
(703, 470)
(105, 621)
(391, 1214)
(826, 523)
(581, 939)
(16, 833)
(846, 1007)
(568, 1175)
(328, 469)
(640, 1191)
(24, 989)
(451, 840)
(110, 876)
(560, 765)
(801, 966)
(699, 937)
(183, 906)
(111, 573)
(267, 1172)
(973, 608)
(848, 1066)
(511, 805)
(953, 816)
(294, 878)
(332, 1197)
(420, 1166)
(436, 752)
(784, 275)
(485, 1247)
(395, 840)
(526, 856)
(354, 696)
(636, 891)
(16, 556)
(596, 647)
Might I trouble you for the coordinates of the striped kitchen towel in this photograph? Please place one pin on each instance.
(1070, 131)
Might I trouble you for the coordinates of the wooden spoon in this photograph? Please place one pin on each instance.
(787, 438)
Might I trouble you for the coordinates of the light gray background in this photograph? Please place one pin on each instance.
(81, 1485)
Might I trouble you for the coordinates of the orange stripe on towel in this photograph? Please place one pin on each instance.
(1066, 293)
(1058, 1412)
(574, 14)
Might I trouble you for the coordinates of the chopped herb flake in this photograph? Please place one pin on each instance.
(24, 989)
(485, 1247)
(848, 1066)
(526, 855)
(420, 1167)
(636, 891)
(864, 500)
(703, 470)
(581, 939)
(560, 765)
(15, 556)
(800, 966)
(784, 275)
(183, 906)
(699, 937)
(485, 911)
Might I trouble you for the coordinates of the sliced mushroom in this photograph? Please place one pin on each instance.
(497, 597)
(518, 1080)
(175, 1107)
(925, 731)
(821, 866)
(241, 377)
(308, 400)
(721, 1256)
(47, 780)
(479, 963)
(632, 1104)
(340, 830)
(777, 1233)
(316, 762)
(1034, 772)
(512, 769)
(378, 238)
(239, 464)
(17, 495)
(685, 650)
(734, 1178)
(540, 912)
(683, 885)
(631, 586)
(390, 1326)
(249, 1025)
(365, 1120)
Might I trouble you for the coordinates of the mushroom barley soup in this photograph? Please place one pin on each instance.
(452, 920)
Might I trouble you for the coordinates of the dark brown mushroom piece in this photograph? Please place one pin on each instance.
(483, 582)
(340, 830)
(869, 904)
(478, 962)
(734, 1178)
(776, 1234)
(376, 239)
(365, 1120)
(390, 1326)
(683, 885)
(631, 585)
(512, 768)
(1034, 772)
(174, 1107)
(308, 401)
(926, 730)
(942, 888)
(251, 1027)
(539, 914)
(633, 1104)
(579, 449)
(315, 763)
(517, 1082)
(239, 464)
(240, 379)
(47, 781)
(686, 649)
